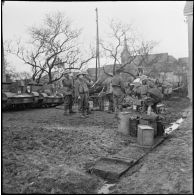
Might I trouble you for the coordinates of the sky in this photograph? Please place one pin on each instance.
(161, 21)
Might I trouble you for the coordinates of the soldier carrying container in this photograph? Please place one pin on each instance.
(82, 93)
(118, 91)
(68, 91)
(109, 92)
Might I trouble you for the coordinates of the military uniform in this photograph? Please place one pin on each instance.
(68, 89)
(118, 92)
(156, 96)
(109, 93)
(82, 91)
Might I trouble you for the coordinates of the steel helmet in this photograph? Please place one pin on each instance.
(66, 72)
(81, 73)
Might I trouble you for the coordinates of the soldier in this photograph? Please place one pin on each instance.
(109, 94)
(82, 93)
(68, 90)
(89, 84)
(118, 91)
(155, 94)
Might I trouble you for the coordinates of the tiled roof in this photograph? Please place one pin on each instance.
(183, 60)
(189, 8)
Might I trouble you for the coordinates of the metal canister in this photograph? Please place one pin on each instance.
(133, 123)
(145, 136)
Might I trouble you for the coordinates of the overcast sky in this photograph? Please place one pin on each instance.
(159, 21)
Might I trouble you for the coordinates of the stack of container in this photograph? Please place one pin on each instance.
(145, 128)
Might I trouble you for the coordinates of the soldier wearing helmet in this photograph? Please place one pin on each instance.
(68, 89)
(118, 89)
(82, 93)
(155, 95)
(109, 92)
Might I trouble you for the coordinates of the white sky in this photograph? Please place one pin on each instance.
(161, 21)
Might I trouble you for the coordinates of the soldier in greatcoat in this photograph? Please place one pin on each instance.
(68, 92)
(82, 93)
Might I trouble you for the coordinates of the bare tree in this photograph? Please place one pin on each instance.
(136, 49)
(53, 47)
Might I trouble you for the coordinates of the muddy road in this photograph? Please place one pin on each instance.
(46, 152)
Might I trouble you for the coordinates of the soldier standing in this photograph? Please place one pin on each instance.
(118, 91)
(82, 93)
(68, 89)
(109, 94)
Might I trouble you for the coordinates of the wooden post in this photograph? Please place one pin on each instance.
(97, 48)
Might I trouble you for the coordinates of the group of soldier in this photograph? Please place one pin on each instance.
(78, 91)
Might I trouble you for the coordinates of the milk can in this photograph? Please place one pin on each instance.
(133, 123)
(123, 122)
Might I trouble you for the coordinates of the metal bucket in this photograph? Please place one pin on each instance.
(133, 123)
(123, 122)
(160, 129)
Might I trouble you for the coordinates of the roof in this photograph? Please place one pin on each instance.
(189, 8)
(159, 57)
(183, 60)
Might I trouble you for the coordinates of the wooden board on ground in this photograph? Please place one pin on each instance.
(132, 152)
(111, 168)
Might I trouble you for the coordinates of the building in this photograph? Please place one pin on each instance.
(188, 12)
(153, 65)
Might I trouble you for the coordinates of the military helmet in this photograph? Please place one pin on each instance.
(66, 72)
(82, 73)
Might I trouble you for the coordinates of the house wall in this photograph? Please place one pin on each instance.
(190, 50)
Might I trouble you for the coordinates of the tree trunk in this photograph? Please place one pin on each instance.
(50, 77)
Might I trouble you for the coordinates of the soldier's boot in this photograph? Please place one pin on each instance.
(88, 111)
(110, 110)
(116, 114)
(66, 112)
(83, 115)
(71, 111)
(87, 114)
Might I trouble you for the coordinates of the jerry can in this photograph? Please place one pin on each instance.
(123, 122)
(133, 125)
(76, 107)
(145, 135)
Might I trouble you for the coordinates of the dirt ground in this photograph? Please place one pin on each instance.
(166, 170)
(46, 152)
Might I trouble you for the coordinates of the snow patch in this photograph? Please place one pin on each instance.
(174, 126)
(105, 188)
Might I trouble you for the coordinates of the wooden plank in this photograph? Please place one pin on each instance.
(114, 166)
(111, 168)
